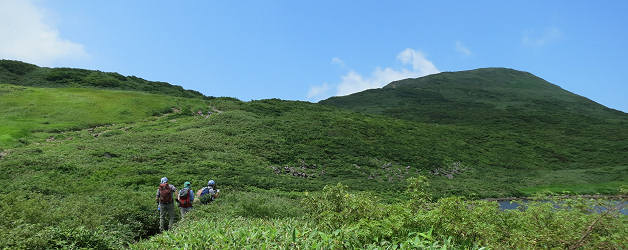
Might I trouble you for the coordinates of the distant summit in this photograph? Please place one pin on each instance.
(20, 73)
(481, 96)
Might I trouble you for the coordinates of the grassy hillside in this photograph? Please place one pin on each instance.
(26, 110)
(517, 113)
(100, 182)
(496, 97)
(85, 173)
(20, 73)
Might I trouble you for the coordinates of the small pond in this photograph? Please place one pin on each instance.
(514, 204)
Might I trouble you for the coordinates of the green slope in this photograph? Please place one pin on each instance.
(68, 184)
(101, 182)
(494, 97)
(26, 109)
(530, 121)
(20, 73)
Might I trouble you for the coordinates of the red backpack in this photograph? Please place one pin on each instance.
(184, 198)
(165, 193)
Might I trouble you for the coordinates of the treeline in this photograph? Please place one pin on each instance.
(20, 73)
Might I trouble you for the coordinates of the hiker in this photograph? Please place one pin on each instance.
(208, 193)
(185, 199)
(165, 204)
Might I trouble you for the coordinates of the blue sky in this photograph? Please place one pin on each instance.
(310, 50)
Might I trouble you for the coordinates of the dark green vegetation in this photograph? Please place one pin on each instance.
(87, 177)
(494, 97)
(532, 125)
(19, 73)
(336, 218)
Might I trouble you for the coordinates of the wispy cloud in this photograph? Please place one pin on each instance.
(462, 49)
(353, 81)
(26, 36)
(539, 39)
(318, 92)
(338, 61)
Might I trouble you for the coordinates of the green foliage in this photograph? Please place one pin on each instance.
(71, 178)
(37, 221)
(357, 215)
(496, 97)
(216, 226)
(255, 205)
(337, 218)
(417, 192)
(19, 73)
(27, 109)
(80, 170)
(523, 120)
(30, 237)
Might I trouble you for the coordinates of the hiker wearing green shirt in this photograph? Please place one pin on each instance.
(185, 199)
(165, 204)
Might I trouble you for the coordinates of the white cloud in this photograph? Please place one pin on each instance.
(462, 49)
(353, 81)
(549, 35)
(420, 65)
(318, 92)
(25, 35)
(338, 61)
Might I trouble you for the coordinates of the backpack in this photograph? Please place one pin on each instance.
(184, 192)
(165, 193)
(184, 198)
(206, 195)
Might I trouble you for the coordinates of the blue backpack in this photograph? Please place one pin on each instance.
(206, 196)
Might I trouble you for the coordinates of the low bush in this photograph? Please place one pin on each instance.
(542, 223)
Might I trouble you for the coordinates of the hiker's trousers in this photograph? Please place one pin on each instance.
(166, 209)
(184, 210)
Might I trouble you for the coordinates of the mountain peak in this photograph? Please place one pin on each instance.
(480, 75)
(484, 95)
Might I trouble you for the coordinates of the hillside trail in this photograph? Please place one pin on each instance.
(97, 131)
(216, 110)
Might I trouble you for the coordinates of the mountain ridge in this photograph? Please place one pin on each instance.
(26, 74)
(479, 91)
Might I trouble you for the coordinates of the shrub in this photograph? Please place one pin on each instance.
(359, 214)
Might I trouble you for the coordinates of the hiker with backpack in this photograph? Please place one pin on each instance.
(185, 199)
(165, 204)
(208, 193)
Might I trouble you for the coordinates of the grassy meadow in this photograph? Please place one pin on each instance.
(26, 109)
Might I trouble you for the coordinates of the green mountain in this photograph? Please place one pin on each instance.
(533, 123)
(84, 172)
(20, 73)
(488, 97)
